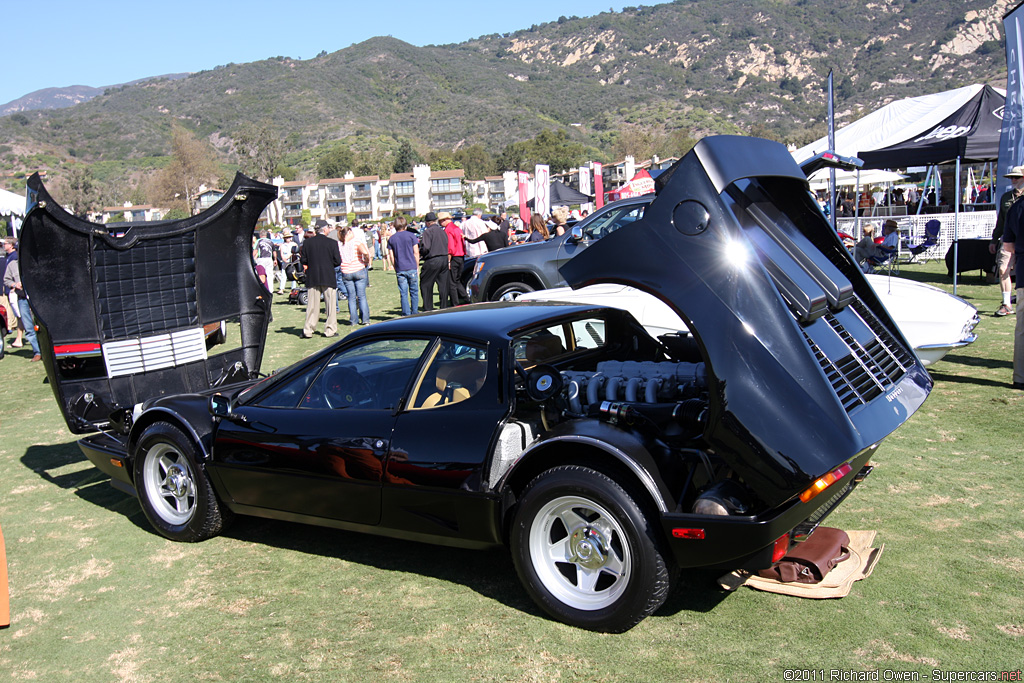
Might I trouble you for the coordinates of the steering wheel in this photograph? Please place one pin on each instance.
(343, 387)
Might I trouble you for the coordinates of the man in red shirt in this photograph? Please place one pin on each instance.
(457, 293)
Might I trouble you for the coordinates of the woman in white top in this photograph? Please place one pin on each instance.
(354, 259)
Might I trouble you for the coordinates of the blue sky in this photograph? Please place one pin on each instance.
(57, 43)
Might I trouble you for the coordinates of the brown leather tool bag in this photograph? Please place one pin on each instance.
(810, 561)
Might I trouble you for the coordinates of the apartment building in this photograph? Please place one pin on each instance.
(132, 213)
(372, 198)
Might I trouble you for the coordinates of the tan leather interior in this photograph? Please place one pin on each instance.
(456, 381)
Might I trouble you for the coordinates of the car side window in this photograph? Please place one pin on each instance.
(454, 373)
(372, 376)
(600, 226)
(550, 343)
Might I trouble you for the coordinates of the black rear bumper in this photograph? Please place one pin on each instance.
(748, 542)
(110, 457)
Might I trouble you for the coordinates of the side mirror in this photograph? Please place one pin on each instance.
(220, 406)
(576, 234)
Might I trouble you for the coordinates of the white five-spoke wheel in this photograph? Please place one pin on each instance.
(170, 483)
(174, 492)
(579, 552)
(586, 552)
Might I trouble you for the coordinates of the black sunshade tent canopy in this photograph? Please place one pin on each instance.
(970, 133)
(563, 195)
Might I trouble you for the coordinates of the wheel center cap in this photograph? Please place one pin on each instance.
(178, 481)
(588, 548)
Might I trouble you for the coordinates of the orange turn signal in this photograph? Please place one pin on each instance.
(824, 482)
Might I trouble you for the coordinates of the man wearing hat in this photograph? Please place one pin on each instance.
(1013, 241)
(1005, 259)
(289, 255)
(434, 250)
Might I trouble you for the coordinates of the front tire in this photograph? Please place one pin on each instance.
(175, 494)
(586, 552)
(511, 291)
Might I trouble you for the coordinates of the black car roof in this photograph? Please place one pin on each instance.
(482, 321)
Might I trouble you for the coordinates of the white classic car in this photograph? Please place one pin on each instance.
(933, 321)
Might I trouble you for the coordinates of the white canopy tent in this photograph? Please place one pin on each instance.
(893, 123)
(11, 204)
(819, 179)
(960, 124)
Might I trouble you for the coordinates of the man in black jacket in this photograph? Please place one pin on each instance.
(320, 256)
(434, 250)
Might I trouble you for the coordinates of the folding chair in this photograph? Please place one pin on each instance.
(931, 240)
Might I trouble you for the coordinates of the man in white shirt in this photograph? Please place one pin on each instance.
(473, 227)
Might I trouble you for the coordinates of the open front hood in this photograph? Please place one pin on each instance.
(806, 367)
(131, 311)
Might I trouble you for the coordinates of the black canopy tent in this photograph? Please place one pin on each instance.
(561, 194)
(971, 134)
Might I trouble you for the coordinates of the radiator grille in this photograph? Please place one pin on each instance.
(134, 356)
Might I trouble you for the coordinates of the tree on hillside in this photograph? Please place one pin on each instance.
(406, 157)
(259, 150)
(78, 190)
(550, 147)
(335, 162)
(192, 164)
(476, 161)
(634, 141)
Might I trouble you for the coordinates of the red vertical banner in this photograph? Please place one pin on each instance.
(524, 211)
(598, 184)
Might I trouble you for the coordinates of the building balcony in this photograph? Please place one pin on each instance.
(292, 196)
(405, 191)
(362, 194)
(361, 206)
(292, 213)
(335, 194)
(446, 189)
(448, 204)
(405, 204)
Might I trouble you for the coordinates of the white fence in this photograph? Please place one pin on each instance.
(970, 224)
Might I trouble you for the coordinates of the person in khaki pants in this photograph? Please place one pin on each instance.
(319, 257)
(1013, 241)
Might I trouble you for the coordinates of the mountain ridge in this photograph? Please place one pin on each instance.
(693, 66)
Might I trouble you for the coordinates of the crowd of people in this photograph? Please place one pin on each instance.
(427, 258)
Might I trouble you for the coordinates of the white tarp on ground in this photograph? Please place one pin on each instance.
(893, 123)
(11, 203)
(819, 179)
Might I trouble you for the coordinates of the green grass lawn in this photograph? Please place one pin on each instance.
(96, 595)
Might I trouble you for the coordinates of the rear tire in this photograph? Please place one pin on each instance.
(175, 494)
(303, 297)
(586, 552)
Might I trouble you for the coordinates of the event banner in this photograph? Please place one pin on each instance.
(585, 180)
(542, 189)
(524, 210)
(599, 184)
(1011, 138)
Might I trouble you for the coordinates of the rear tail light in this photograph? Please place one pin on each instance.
(824, 482)
(692, 534)
(781, 548)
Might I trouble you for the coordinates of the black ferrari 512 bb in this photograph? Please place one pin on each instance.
(603, 458)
